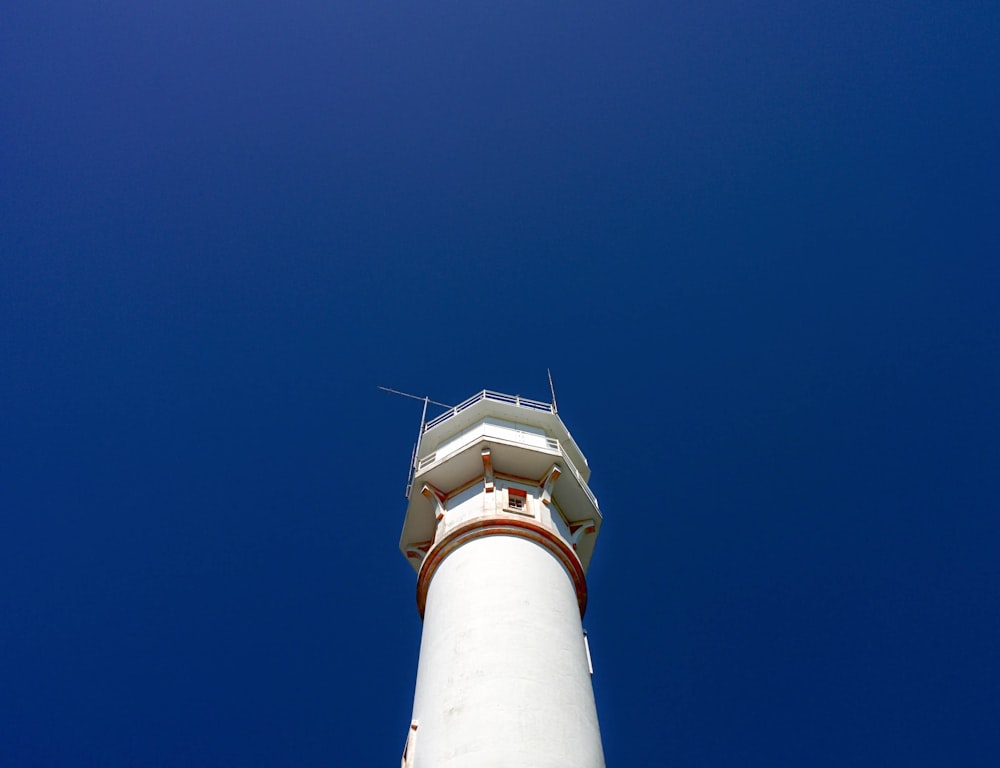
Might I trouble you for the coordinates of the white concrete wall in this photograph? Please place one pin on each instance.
(463, 507)
(557, 522)
(503, 679)
(496, 428)
(473, 503)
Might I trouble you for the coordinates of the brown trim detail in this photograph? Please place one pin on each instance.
(501, 526)
(532, 481)
(518, 478)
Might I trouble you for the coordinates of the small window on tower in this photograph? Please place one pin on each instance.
(517, 500)
(410, 747)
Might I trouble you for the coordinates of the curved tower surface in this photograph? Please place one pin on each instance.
(500, 527)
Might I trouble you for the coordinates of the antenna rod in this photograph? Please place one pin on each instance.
(552, 389)
(415, 397)
(423, 421)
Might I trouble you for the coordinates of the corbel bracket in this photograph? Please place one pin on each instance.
(488, 471)
(418, 550)
(436, 498)
(550, 480)
(580, 529)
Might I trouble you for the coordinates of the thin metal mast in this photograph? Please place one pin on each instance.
(423, 420)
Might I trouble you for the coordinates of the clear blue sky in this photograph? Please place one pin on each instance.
(756, 243)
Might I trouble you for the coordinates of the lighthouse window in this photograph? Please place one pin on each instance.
(517, 500)
(410, 747)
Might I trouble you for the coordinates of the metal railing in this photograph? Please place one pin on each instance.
(579, 478)
(426, 461)
(517, 400)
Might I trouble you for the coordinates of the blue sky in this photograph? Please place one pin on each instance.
(755, 243)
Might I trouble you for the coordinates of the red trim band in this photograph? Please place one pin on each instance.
(501, 526)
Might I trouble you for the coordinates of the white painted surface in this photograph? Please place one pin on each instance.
(496, 429)
(503, 679)
(462, 508)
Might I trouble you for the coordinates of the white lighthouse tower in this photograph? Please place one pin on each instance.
(500, 528)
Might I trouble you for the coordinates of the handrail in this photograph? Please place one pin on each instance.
(486, 394)
(579, 478)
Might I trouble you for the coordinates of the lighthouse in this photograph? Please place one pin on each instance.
(500, 527)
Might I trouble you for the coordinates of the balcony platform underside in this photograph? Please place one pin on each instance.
(511, 459)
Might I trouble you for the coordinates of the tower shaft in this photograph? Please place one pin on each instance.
(503, 677)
